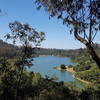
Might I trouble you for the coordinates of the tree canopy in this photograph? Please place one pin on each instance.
(81, 16)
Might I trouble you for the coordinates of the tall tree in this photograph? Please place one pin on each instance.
(81, 16)
(28, 38)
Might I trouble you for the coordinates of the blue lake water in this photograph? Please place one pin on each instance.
(44, 65)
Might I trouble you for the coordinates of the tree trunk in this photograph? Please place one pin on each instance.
(93, 54)
(90, 49)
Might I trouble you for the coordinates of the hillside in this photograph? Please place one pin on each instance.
(59, 52)
(66, 53)
(8, 50)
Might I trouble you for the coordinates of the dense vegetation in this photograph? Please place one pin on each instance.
(18, 84)
(62, 66)
(8, 50)
(66, 53)
(87, 70)
(59, 52)
(31, 86)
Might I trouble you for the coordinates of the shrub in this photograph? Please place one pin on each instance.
(62, 66)
(70, 66)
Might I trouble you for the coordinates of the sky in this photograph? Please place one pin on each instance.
(57, 35)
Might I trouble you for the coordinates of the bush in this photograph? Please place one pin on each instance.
(70, 66)
(62, 66)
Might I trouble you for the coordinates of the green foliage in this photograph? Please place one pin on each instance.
(70, 66)
(6, 50)
(90, 75)
(87, 70)
(12, 85)
(83, 63)
(73, 14)
(90, 94)
(18, 84)
(30, 86)
(62, 66)
(15, 82)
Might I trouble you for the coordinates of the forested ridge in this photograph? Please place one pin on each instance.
(64, 52)
(10, 51)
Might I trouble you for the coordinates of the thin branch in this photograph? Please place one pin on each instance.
(94, 35)
(90, 31)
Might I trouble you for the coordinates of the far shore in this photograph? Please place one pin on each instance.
(71, 70)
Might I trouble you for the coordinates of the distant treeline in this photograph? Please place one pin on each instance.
(65, 53)
(11, 51)
(8, 50)
(59, 52)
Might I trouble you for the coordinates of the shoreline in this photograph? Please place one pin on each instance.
(73, 74)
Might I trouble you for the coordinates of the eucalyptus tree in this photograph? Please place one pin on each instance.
(81, 16)
(28, 38)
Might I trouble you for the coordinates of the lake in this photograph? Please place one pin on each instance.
(44, 65)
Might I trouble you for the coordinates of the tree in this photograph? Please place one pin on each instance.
(28, 38)
(62, 66)
(81, 16)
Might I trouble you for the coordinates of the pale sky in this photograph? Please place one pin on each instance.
(57, 35)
